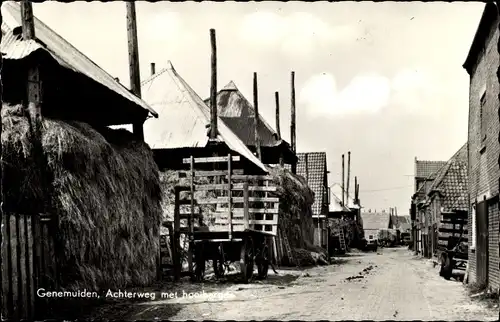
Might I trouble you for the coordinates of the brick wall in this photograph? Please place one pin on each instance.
(484, 171)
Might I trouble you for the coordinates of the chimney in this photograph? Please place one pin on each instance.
(153, 70)
(213, 87)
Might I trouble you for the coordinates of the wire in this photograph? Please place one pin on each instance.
(377, 190)
(386, 189)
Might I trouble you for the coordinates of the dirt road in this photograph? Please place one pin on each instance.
(390, 285)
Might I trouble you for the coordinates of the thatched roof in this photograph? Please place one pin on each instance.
(239, 115)
(14, 48)
(184, 118)
(337, 190)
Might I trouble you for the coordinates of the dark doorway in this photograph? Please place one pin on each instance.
(482, 243)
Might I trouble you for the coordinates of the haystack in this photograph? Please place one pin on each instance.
(105, 190)
(295, 213)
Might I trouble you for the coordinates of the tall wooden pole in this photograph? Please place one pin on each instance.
(348, 175)
(213, 87)
(2, 304)
(153, 69)
(257, 119)
(133, 59)
(278, 129)
(277, 99)
(343, 182)
(356, 190)
(292, 125)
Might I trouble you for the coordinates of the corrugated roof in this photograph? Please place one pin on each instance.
(337, 190)
(375, 220)
(60, 49)
(183, 116)
(239, 115)
(452, 182)
(427, 169)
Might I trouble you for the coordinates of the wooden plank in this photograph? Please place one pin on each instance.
(238, 186)
(465, 239)
(8, 288)
(236, 200)
(217, 173)
(241, 221)
(21, 306)
(252, 177)
(230, 204)
(211, 159)
(246, 208)
(451, 230)
(28, 268)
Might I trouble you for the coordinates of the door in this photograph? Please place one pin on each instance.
(482, 243)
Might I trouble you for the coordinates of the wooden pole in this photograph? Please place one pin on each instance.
(3, 305)
(213, 87)
(343, 183)
(292, 125)
(277, 99)
(356, 190)
(133, 59)
(257, 119)
(348, 175)
(278, 129)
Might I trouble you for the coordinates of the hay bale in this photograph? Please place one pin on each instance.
(295, 210)
(105, 190)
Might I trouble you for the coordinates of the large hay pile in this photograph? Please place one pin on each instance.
(105, 190)
(295, 213)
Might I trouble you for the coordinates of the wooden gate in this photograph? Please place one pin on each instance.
(482, 242)
(27, 264)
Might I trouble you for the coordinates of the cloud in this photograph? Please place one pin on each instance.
(410, 90)
(297, 34)
(366, 93)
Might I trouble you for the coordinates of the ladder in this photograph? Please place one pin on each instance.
(288, 249)
(342, 239)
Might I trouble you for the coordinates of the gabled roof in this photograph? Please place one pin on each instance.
(427, 169)
(183, 117)
(490, 14)
(375, 220)
(337, 190)
(239, 115)
(61, 50)
(452, 183)
(336, 204)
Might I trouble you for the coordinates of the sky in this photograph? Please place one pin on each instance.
(382, 80)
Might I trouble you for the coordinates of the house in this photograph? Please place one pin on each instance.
(239, 115)
(182, 128)
(447, 198)
(425, 172)
(483, 151)
(374, 221)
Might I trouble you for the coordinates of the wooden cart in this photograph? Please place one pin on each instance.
(452, 244)
(232, 218)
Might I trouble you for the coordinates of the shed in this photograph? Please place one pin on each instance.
(183, 124)
(239, 115)
(69, 77)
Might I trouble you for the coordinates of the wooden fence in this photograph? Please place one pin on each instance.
(27, 265)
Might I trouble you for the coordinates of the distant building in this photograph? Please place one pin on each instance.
(374, 221)
(481, 64)
(425, 173)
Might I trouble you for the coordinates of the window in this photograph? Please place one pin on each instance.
(474, 219)
(482, 116)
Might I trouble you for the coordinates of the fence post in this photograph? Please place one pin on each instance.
(246, 214)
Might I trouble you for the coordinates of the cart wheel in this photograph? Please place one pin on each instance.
(199, 264)
(218, 262)
(247, 260)
(263, 263)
